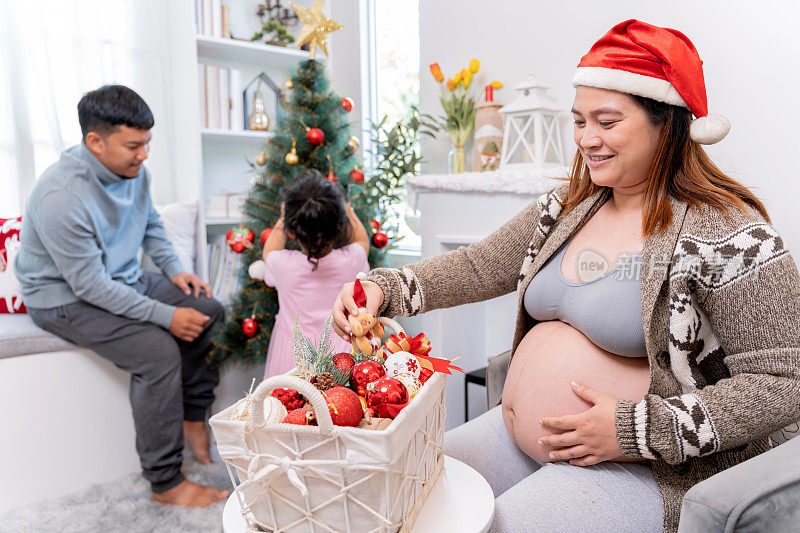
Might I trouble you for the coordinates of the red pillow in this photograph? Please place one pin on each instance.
(10, 290)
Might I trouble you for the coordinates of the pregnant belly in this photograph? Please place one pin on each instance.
(547, 359)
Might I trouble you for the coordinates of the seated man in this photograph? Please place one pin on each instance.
(85, 220)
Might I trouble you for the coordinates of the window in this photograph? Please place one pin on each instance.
(391, 78)
(53, 51)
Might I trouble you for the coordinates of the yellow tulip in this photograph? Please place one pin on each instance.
(474, 65)
(467, 78)
(458, 77)
(496, 85)
(437, 72)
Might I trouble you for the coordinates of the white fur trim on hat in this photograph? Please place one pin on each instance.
(709, 129)
(628, 82)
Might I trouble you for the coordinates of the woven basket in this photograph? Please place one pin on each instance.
(291, 478)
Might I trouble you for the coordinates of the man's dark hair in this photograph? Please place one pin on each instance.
(103, 109)
(315, 213)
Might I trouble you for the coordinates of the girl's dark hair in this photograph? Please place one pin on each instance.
(315, 214)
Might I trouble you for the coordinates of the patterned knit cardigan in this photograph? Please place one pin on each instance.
(721, 313)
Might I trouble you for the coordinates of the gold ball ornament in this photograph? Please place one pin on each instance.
(353, 143)
(261, 159)
(291, 157)
(289, 85)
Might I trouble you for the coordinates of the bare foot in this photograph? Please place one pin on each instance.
(188, 494)
(197, 435)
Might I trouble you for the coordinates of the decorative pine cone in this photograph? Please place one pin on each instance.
(324, 381)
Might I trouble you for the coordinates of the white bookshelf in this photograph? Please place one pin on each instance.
(214, 135)
(218, 161)
(232, 52)
(227, 222)
(226, 154)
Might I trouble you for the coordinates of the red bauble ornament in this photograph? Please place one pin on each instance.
(265, 235)
(375, 224)
(379, 239)
(344, 362)
(331, 177)
(424, 374)
(364, 373)
(347, 104)
(387, 396)
(344, 406)
(315, 136)
(356, 176)
(301, 417)
(290, 398)
(239, 238)
(249, 327)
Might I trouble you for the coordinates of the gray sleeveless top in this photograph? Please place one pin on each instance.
(608, 309)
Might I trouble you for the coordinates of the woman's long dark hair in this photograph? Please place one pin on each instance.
(315, 214)
(680, 168)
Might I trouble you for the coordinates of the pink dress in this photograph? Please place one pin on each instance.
(311, 294)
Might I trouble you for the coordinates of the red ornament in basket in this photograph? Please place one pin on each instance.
(290, 398)
(387, 396)
(365, 330)
(344, 406)
(240, 238)
(364, 373)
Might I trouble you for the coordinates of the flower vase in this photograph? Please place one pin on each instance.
(457, 159)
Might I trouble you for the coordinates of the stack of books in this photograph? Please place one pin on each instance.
(220, 98)
(223, 271)
(208, 18)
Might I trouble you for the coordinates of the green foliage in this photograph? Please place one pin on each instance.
(310, 103)
(311, 358)
(279, 32)
(395, 151)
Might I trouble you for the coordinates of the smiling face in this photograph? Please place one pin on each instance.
(614, 136)
(122, 151)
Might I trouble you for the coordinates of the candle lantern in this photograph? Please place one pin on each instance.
(532, 132)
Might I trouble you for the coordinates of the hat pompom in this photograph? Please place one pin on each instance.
(709, 129)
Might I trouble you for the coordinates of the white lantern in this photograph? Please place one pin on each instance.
(532, 130)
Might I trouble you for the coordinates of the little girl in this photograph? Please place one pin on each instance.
(313, 212)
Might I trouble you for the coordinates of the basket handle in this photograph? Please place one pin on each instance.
(386, 321)
(300, 385)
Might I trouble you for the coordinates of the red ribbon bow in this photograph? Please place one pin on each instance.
(419, 346)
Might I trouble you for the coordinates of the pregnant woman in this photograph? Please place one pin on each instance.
(656, 340)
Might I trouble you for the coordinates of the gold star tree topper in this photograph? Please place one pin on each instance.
(316, 27)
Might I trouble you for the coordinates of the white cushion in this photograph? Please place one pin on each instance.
(180, 222)
(20, 336)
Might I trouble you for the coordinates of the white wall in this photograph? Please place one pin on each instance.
(749, 52)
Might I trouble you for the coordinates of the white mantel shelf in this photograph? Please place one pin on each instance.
(516, 181)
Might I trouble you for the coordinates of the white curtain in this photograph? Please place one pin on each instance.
(51, 53)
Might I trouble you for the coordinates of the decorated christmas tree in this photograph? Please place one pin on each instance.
(314, 133)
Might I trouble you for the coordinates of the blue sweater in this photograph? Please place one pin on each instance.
(81, 233)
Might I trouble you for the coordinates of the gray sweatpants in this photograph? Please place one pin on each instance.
(554, 497)
(170, 379)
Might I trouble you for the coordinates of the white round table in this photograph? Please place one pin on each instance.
(461, 500)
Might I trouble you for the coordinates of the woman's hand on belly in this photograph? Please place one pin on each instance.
(549, 358)
(588, 438)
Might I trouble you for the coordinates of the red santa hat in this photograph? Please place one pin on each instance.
(659, 63)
